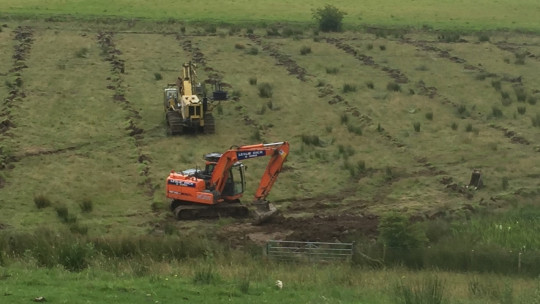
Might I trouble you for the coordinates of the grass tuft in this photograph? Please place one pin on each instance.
(41, 201)
(253, 51)
(332, 71)
(265, 90)
(157, 76)
(393, 86)
(429, 115)
(349, 88)
(86, 205)
(416, 126)
(305, 50)
(370, 85)
(311, 140)
(253, 80)
(496, 112)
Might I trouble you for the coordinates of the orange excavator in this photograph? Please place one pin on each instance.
(216, 190)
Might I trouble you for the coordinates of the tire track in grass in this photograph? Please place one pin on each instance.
(432, 92)
(23, 37)
(399, 77)
(116, 83)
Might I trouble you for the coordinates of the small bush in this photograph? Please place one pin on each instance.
(497, 113)
(354, 129)
(504, 183)
(41, 201)
(462, 109)
(392, 86)
(349, 88)
(311, 140)
(369, 46)
(157, 76)
(483, 37)
(75, 256)
(396, 231)
(429, 115)
(329, 18)
(265, 90)
(469, 128)
(535, 120)
(253, 51)
(239, 46)
(305, 50)
(430, 290)
(454, 126)
(86, 205)
(382, 47)
(253, 80)
(370, 85)
(256, 136)
(496, 84)
(520, 58)
(210, 29)
(62, 212)
(344, 118)
(82, 53)
(449, 37)
(521, 94)
(416, 126)
(522, 110)
(332, 70)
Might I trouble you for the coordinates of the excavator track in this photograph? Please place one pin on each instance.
(174, 123)
(189, 211)
(209, 124)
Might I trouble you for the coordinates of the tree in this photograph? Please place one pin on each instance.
(329, 18)
(396, 231)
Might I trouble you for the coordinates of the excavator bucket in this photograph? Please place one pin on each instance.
(476, 180)
(263, 212)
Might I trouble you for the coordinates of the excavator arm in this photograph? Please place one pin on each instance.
(278, 153)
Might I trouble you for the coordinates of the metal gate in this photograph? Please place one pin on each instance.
(309, 251)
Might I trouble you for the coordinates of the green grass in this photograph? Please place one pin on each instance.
(480, 15)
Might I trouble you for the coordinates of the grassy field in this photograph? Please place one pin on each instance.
(386, 118)
(477, 15)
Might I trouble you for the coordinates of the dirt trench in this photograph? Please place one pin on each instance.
(116, 83)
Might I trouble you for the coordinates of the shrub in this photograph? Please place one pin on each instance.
(344, 118)
(535, 120)
(382, 47)
(253, 80)
(354, 129)
(454, 126)
(349, 88)
(469, 128)
(430, 290)
(392, 86)
(305, 50)
(86, 205)
(253, 51)
(41, 201)
(521, 94)
(74, 256)
(496, 84)
(483, 37)
(332, 70)
(416, 126)
(82, 53)
(205, 275)
(62, 212)
(265, 90)
(504, 183)
(396, 231)
(462, 109)
(429, 115)
(521, 110)
(329, 18)
(157, 76)
(239, 46)
(311, 140)
(449, 37)
(496, 112)
(370, 85)
(369, 46)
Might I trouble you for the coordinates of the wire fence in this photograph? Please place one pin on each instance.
(309, 251)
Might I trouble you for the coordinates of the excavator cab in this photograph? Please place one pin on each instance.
(235, 184)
